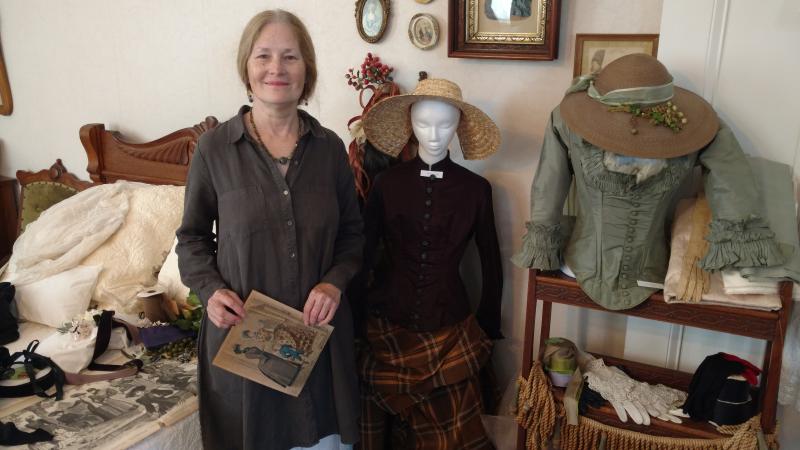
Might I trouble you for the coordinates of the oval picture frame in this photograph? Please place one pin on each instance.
(372, 16)
(423, 31)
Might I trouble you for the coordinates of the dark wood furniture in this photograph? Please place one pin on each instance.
(554, 287)
(9, 212)
(163, 161)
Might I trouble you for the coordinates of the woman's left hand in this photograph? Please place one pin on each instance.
(321, 305)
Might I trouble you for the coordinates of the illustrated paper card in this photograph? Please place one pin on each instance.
(272, 346)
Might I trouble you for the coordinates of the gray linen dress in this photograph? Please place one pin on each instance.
(280, 236)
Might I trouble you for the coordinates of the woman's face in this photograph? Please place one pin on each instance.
(275, 69)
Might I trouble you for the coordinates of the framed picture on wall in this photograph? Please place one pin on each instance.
(503, 29)
(5, 89)
(372, 16)
(595, 51)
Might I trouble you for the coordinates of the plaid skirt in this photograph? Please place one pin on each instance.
(427, 380)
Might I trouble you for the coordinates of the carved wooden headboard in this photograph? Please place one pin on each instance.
(163, 161)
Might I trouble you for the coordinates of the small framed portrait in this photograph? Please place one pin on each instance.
(372, 16)
(5, 90)
(423, 31)
(503, 29)
(595, 51)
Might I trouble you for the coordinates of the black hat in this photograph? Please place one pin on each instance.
(734, 404)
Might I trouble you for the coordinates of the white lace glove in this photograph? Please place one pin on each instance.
(633, 398)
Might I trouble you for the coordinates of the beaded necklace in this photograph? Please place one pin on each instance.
(283, 160)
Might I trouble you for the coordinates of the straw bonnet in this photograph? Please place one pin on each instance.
(388, 123)
(591, 109)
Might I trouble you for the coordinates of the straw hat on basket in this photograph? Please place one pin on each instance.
(388, 123)
(632, 108)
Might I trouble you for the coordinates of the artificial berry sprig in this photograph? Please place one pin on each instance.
(372, 72)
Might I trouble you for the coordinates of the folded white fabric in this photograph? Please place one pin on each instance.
(66, 232)
(734, 284)
(55, 300)
(716, 295)
(169, 277)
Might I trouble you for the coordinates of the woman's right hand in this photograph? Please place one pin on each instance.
(225, 308)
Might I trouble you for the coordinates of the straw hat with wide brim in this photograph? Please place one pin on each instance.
(388, 123)
(612, 131)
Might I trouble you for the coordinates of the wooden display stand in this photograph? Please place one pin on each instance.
(554, 287)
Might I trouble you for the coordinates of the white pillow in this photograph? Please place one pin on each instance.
(55, 300)
(169, 278)
(133, 256)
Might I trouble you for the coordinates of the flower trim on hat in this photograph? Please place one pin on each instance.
(543, 244)
(742, 243)
(617, 183)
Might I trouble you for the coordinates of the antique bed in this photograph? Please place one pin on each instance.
(165, 415)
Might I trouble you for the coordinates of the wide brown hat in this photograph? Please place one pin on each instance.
(388, 123)
(636, 80)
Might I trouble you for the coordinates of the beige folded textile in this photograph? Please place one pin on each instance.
(735, 283)
(678, 291)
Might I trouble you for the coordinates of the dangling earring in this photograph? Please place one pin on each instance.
(250, 96)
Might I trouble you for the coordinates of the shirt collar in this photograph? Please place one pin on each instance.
(438, 166)
(308, 124)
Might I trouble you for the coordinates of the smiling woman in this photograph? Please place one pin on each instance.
(278, 187)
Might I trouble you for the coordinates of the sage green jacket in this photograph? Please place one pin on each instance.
(618, 237)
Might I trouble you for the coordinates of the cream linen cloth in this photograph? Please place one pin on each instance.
(682, 229)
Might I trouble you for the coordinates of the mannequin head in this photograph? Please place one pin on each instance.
(434, 123)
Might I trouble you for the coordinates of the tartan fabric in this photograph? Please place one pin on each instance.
(427, 380)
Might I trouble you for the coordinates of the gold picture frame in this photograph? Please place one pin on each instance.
(372, 17)
(423, 31)
(494, 29)
(6, 104)
(595, 51)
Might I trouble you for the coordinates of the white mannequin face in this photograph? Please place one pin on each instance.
(434, 123)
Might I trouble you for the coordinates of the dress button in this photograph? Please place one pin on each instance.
(627, 257)
(634, 213)
(632, 221)
(419, 291)
(424, 255)
(415, 316)
(417, 303)
(636, 205)
(626, 293)
(289, 222)
(425, 243)
(628, 248)
(629, 239)
(292, 255)
(421, 277)
(426, 216)
(625, 267)
(428, 189)
(423, 266)
(428, 202)
(425, 228)
(285, 192)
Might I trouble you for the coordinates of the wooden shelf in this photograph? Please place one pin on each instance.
(555, 287)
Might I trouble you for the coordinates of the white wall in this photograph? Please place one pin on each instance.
(147, 67)
(743, 60)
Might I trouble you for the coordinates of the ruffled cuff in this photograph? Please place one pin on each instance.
(745, 243)
(541, 247)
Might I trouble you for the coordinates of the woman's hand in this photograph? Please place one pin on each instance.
(225, 308)
(321, 305)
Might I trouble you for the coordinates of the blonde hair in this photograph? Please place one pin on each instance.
(254, 28)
